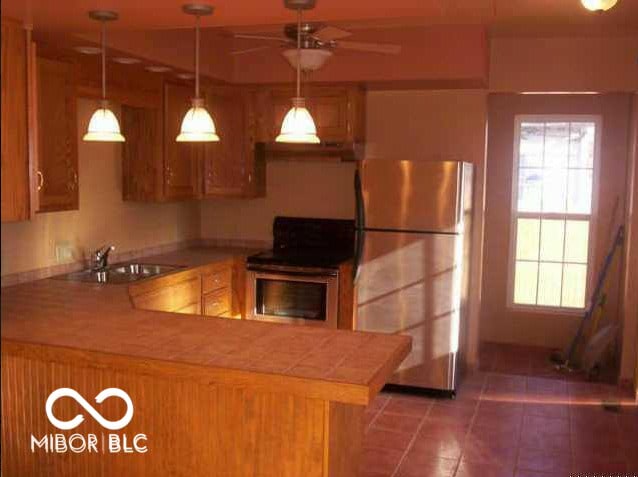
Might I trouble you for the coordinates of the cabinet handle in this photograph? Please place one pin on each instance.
(74, 181)
(40, 180)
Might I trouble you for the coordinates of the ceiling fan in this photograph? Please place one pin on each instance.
(318, 41)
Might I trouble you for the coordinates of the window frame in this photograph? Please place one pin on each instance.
(515, 214)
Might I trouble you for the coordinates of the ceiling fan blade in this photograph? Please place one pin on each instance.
(261, 37)
(250, 50)
(331, 33)
(370, 47)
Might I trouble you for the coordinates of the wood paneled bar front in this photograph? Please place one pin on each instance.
(210, 396)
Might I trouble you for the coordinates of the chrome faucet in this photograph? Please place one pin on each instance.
(101, 258)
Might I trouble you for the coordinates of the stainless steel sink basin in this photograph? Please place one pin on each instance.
(119, 273)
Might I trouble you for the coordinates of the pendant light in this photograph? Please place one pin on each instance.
(598, 5)
(298, 126)
(197, 125)
(103, 125)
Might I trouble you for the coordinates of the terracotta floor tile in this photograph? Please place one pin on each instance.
(408, 406)
(599, 465)
(537, 439)
(546, 425)
(384, 439)
(531, 473)
(447, 444)
(485, 452)
(547, 409)
(396, 422)
(453, 414)
(543, 460)
(500, 437)
(421, 465)
(382, 461)
(468, 469)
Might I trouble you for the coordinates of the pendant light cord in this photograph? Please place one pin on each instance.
(299, 53)
(197, 56)
(103, 60)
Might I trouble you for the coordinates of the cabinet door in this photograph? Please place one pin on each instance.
(225, 170)
(330, 106)
(176, 297)
(14, 124)
(142, 164)
(57, 137)
(181, 160)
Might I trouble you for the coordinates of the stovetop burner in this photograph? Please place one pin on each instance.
(304, 242)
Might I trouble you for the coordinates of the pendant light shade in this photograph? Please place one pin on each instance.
(197, 125)
(598, 5)
(298, 126)
(103, 125)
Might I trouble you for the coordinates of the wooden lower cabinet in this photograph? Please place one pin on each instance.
(207, 290)
(57, 162)
(17, 58)
(177, 293)
(197, 421)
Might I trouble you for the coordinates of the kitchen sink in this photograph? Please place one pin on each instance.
(119, 273)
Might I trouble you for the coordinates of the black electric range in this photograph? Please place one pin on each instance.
(308, 243)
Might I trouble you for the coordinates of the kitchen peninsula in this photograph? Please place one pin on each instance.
(213, 396)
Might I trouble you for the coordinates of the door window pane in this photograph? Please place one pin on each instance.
(574, 285)
(525, 283)
(530, 190)
(527, 235)
(556, 145)
(554, 190)
(549, 281)
(577, 241)
(552, 240)
(531, 145)
(579, 191)
(581, 145)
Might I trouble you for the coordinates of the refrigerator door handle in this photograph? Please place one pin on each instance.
(360, 224)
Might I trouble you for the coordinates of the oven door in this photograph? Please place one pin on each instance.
(293, 297)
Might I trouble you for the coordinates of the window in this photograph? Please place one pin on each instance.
(553, 200)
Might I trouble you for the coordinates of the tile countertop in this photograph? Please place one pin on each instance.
(100, 319)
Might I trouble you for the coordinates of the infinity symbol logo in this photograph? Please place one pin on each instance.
(77, 420)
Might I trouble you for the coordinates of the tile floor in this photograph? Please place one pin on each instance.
(514, 418)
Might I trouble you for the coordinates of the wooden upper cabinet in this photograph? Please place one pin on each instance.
(181, 160)
(225, 162)
(142, 155)
(57, 163)
(338, 111)
(16, 168)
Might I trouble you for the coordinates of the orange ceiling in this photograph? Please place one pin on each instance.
(510, 17)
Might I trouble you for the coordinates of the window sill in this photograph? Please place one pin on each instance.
(546, 310)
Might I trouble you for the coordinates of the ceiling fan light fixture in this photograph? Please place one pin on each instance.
(598, 5)
(197, 125)
(298, 127)
(103, 126)
(311, 59)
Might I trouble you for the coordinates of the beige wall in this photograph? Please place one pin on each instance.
(102, 218)
(564, 64)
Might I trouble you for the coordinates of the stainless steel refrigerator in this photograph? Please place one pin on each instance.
(412, 261)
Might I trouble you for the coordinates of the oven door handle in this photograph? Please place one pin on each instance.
(274, 274)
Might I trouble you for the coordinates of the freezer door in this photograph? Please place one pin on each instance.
(412, 195)
(410, 284)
